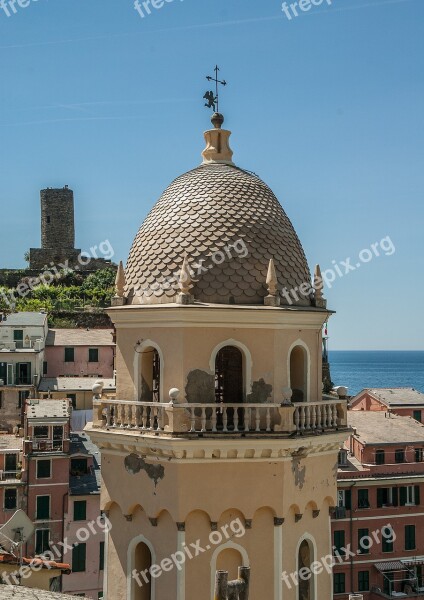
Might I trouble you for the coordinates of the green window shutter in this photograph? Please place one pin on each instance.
(417, 495)
(80, 510)
(409, 537)
(363, 533)
(93, 355)
(363, 581)
(79, 552)
(348, 499)
(69, 355)
(380, 498)
(339, 539)
(403, 495)
(102, 556)
(43, 507)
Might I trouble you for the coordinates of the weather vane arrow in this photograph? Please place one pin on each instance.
(212, 100)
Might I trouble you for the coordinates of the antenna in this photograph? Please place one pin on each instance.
(13, 534)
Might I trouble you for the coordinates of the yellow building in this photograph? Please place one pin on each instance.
(220, 450)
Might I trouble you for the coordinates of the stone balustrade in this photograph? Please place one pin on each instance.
(268, 418)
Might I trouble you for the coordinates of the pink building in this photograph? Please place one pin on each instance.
(79, 353)
(84, 524)
(405, 402)
(379, 517)
(11, 484)
(46, 466)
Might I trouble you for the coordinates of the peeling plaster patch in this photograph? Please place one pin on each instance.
(134, 464)
(200, 388)
(298, 471)
(261, 391)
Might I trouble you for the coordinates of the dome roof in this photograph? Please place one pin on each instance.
(230, 224)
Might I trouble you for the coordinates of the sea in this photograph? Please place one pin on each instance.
(377, 369)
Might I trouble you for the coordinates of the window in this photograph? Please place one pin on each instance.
(363, 501)
(48, 219)
(45, 367)
(339, 583)
(339, 541)
(23, 395)
(409, 495)
(41, 432)
(93, 355)
(380, 457)
(11, 463)
(43, 507)
(363, 581)
(79, 466)
(387, 497)
(78, 558)
(364, 543)
(418, 455)
(10, 499)
(23, 374)
(410, 537)
(387, 540)
(102, 556)
(18, 337)
(80, 510)
(73, 399)
(44, 469)
(100, 595)
(344, 499)
(69, 355)
(342, 458)
(417, 415)
(42, 538)
(400, 456)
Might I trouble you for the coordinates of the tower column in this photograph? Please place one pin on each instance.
(278, 558)
(181, 572)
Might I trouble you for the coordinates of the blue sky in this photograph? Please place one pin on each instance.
(326, 107)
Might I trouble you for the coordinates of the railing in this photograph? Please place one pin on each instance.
(36, 345)
(267, 418)
(9, 475)
(47, 445)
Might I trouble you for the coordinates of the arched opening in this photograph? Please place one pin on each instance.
(229, 384)
(229, 560)
(142, 585)
(299, 374)
(305, 559)
(150, 375)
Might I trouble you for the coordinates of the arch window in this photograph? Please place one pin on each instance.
(150, 375)
(299, 374)
(305, 560)
(142, 584)
(229, 377)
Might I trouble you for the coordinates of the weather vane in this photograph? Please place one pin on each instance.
(211, 98)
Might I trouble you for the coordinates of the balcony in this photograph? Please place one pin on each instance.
(311, 418)
(10, 476)
(23, 346)
(377, 594)
(45, 446)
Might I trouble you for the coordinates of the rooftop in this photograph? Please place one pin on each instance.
(39, 409)
(74, 384)
(396, 396)
(81, 485)
(80, 337)
(10, 442)
(374, 427)
(21, 319)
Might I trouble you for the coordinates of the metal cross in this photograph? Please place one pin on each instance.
(213, 100)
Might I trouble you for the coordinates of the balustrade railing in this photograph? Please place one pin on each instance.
(267, 418)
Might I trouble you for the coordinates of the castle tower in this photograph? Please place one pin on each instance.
(57, 219)
(220, 451)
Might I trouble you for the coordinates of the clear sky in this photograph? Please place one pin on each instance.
(327, 107)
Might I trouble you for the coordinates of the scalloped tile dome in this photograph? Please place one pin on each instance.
(204, 212)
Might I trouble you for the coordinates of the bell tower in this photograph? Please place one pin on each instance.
(220, 450)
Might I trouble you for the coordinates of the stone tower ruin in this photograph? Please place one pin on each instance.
(57, 219)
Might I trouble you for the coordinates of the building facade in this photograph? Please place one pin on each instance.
(221, 438)
(22, 342)
(377, 524)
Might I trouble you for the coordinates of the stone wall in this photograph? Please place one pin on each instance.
(57, 218)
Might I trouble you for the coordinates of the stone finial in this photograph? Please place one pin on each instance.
(217, 143)
(273, 298)
(185, 283)
(119, 299)
(320, 301)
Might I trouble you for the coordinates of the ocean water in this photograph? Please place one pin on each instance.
(366, 369)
